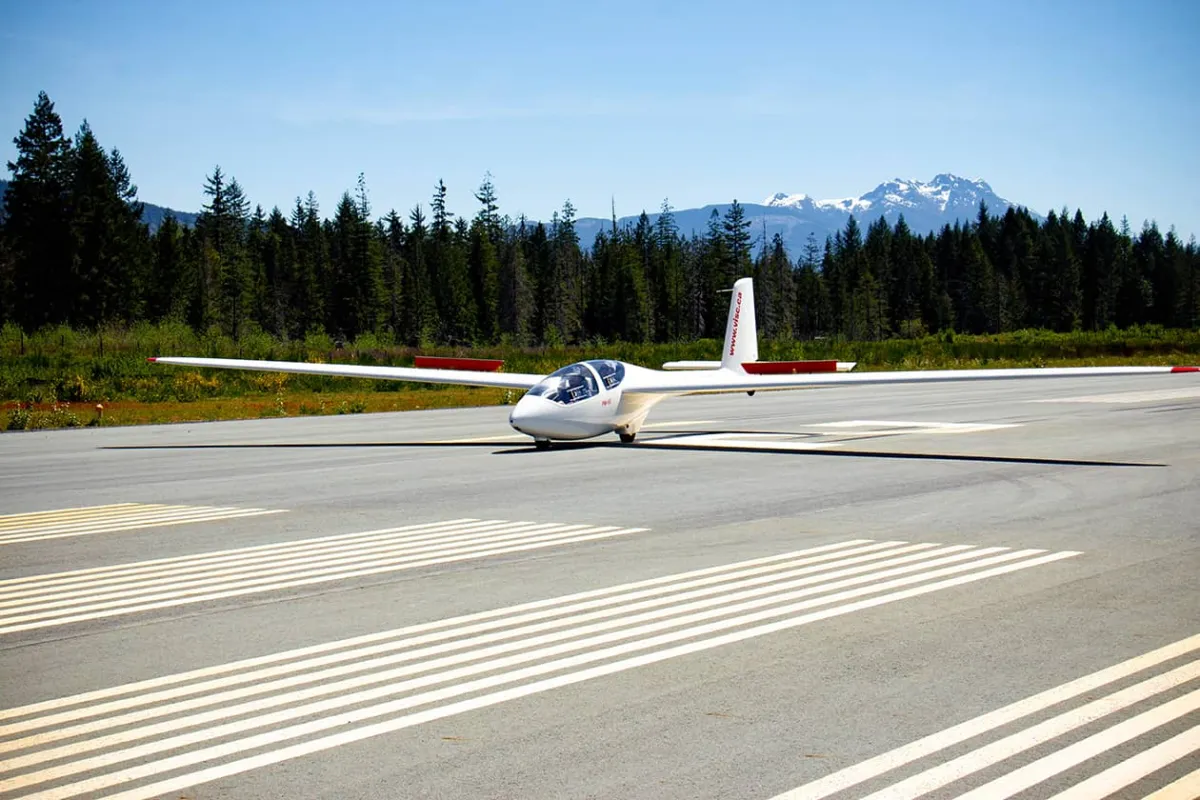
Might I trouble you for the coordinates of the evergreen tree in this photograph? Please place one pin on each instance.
(980, 311)
(567, 272)
(546, 288)
(448, 273)
(877, 264)
(394, 272)
(168, 293)
(355, 259)
(277, 259)
(812, 299)
(669, 283)
(714, 277)
(311, 267)
(1098, 275)
(418, 306)
(737, 243)
(484, 262)
(37, 225)
(515, 303)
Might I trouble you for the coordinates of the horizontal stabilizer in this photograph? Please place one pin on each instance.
(797, 367)
(468, 364)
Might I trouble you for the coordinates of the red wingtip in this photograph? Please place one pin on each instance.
(1185, 369)
(152, 359)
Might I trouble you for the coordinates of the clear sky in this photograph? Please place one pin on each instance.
(1088, 104)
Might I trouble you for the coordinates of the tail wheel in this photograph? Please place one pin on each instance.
(541, 444)
(627, 438)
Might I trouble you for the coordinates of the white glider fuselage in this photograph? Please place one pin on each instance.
(594, 405)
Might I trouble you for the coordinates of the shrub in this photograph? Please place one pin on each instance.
(189, 386)
(18, 418)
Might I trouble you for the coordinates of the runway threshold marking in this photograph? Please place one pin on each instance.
(877, 427)
(41, 525)
(1095, 701)
(62, 598)
(680, 423)
(166, 734)
(1116, 398)
(757, 441)
(1186, 788)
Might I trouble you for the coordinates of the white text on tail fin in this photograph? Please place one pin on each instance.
(741, 332)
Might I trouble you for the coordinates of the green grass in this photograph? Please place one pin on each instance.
(57, 376)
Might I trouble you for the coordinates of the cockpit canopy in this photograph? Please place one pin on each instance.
(611, 372)
(577, 382)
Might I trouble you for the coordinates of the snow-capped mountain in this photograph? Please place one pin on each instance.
(926, 206)
(945, 194)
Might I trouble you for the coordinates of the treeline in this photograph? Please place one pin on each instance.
(73, 251)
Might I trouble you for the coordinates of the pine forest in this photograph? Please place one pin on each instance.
(75, 252)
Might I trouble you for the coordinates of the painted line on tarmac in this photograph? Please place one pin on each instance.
(1160, 688)
(154, 737)
(43, 525)
(735, 441)
(877, 427)
(1186, 788)
(1118, 398)
(1134, 769)
(69, 597)
(680, 423)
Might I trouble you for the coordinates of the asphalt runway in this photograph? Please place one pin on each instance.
(945, 591)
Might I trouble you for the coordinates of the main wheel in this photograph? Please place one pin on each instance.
(541, 444)
(627, 438)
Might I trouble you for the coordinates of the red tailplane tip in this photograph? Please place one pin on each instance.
(1185, 369)
(152, 359)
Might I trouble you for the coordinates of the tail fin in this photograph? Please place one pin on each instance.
(741, 332)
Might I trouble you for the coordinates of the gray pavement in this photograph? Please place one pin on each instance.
(826, 661)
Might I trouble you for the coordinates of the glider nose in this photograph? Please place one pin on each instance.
(525, 415)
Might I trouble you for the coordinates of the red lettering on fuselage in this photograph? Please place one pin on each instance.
(737, 313)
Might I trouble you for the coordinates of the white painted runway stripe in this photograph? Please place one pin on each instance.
(1099, 710)
(555, 605)
(1186, 788)
(281, 706)
(42, 525)
(760, 441)
(59, 599)
(1120, 398)
(877, 427)
(1134, 769)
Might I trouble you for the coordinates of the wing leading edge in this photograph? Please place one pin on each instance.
(502, 380)
(719, 381)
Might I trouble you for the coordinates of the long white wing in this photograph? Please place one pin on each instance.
(718, 381)
(503, 380)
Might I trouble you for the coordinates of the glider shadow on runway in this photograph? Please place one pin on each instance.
(663, 443)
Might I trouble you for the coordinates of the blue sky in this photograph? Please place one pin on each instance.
(1087, 104)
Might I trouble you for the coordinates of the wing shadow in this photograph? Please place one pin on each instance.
(655, 444)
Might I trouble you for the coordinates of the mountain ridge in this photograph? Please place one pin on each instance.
(152, 215)
(926, 206)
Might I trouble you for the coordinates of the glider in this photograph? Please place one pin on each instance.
(601, 396)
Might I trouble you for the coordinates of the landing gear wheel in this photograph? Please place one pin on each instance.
(541, 444)
(627, 438)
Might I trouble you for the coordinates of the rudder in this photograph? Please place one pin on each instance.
(741, 331)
